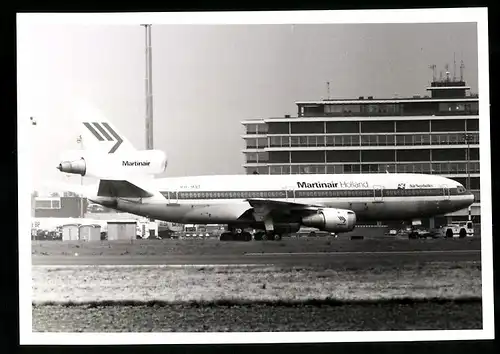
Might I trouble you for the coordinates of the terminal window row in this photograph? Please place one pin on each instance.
(419, 167)
(322, 156)
(404, 126)
(363, 140)
(380, 109)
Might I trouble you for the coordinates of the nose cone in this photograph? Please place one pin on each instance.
(467, 201)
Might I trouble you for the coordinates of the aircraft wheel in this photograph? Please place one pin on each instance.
(245, 236)
(226, 236)
(258, 236)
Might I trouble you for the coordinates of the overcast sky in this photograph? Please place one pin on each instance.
(208, 78)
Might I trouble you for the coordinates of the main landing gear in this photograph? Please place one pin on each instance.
(269, 235)
(240, 235)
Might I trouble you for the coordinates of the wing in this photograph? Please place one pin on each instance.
(265, 207)
(279, 204)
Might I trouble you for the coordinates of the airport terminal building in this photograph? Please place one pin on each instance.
(434, 134)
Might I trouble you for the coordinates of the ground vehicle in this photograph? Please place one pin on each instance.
(312, 232)
(419, 233)
(457, 229)
(202, 231)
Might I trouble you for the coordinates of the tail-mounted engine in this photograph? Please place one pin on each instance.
(146, 162)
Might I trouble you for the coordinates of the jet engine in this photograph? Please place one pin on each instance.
(145, 162)
(331, 220)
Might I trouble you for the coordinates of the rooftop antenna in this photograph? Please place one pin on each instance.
(454, 68)
(446, 67)
(149, 89)
(462, 66)
(328, 89)
(433, 67)
(440, 75)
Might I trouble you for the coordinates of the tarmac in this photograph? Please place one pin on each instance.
(330, 259)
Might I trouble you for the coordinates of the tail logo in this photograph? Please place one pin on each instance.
(97, 129)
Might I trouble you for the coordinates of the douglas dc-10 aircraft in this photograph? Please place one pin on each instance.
(275, 204)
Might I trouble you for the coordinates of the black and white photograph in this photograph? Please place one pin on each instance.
(254, 177)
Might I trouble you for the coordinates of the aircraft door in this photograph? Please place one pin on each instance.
(446, 192)
(173, 198)
(290, 194)
(378, 194)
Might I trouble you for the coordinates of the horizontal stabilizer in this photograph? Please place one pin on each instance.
(121, 189)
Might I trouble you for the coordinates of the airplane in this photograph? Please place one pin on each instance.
(274, 205)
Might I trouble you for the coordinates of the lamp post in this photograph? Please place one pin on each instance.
(468, 138)
(79, 140)
(33, 197)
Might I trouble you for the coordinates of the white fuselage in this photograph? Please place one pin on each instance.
(223, 199)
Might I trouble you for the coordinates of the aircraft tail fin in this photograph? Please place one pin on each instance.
(96, 132)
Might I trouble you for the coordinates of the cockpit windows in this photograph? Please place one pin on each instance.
(460, 189)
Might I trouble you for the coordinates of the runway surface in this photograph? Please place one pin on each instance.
(343, 259)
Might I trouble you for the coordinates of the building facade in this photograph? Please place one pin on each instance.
(433, 134)
(58, 207)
